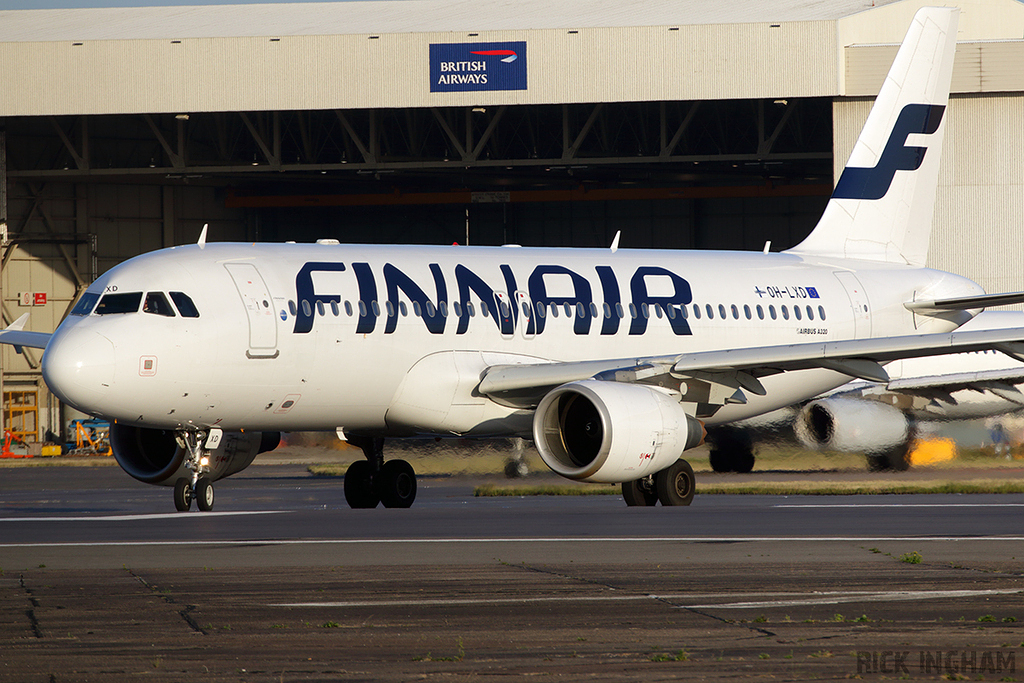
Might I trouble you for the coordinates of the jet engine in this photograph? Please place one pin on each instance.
(853, 425)
(611, 432)
(153, 456)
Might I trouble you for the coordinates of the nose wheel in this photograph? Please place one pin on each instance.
(199, 488)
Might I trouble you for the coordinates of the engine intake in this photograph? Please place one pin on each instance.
(852, 425)
(611, 432)
(153, 456)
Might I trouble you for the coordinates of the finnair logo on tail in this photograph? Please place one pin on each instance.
(873, 183)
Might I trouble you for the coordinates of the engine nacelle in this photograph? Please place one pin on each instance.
(153, 456)
(852, 425)
(612, 432)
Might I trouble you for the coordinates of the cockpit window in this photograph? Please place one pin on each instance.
(185, 305)
(119, 303)
(85, 304)
(158, 304)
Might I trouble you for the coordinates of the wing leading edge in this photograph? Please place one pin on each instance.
(858, 358)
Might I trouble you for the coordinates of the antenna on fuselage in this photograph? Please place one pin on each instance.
(202, 236)
(615, 241)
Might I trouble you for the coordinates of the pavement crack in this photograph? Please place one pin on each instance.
(185, 613)
(700, 612)
(548, 572)
(31, 613)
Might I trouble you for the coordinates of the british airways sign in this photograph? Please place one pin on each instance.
(468, 67)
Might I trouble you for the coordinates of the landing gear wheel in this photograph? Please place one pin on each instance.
(719, 461)
(204, 494)
(896, 459)
(675, 484)
(743, 463)
(396, 484)
(639, 493)
(732, 450)
(359, 490)
(182, 495)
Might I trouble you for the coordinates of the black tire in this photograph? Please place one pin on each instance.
(639, 493)
(743, 463)
(516, 469)
(359, 491)
(731, 449)
(204, 494)
(675, 484)
(396, 484)
(719, 462)
(896, 459)
(182, 495)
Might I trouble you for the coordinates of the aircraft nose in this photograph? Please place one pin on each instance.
(78, 367)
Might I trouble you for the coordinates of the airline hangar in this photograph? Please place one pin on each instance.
(684, 125)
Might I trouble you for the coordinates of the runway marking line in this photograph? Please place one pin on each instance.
(899, 505)
(411, 541)
(136, 518)
(803, 599)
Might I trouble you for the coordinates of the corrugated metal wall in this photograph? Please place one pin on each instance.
(979, 212)
(996, 66)
(353, 72)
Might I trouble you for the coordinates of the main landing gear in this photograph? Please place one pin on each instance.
(372, 481)
(731, 449)
(674, 485)
(197, 445)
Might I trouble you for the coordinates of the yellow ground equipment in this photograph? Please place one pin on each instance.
(92, 437)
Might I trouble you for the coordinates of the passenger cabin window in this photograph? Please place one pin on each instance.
(184, 304)
(119, 303)
(85, 304)
(158, 304)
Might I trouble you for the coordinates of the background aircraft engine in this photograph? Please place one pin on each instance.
(154, 457)
(612, 432)
(852, 425)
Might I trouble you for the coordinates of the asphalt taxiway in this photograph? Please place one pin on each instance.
(103, 581)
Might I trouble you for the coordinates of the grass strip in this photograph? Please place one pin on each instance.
(489, 490)
(779, 488)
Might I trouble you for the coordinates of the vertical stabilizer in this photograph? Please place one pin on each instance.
(881, 208)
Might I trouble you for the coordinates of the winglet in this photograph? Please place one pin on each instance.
(18, 325)
(202, 236)
(615, 241)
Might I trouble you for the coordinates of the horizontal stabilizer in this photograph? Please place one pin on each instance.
(966, 303)
(960, 380)
(15, 335)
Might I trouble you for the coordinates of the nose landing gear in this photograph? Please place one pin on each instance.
(198, 445)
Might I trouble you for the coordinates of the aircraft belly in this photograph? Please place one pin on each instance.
(783, 390)
(437, 396)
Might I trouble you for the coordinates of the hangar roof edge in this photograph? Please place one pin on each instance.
(402, 16)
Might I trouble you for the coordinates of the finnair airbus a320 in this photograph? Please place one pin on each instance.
(611, 360)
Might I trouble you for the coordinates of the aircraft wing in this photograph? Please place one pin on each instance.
(740, 368)
(16, 335)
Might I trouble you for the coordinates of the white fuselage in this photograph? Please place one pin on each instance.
(326, 336)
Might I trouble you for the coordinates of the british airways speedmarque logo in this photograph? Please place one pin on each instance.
(467, 67)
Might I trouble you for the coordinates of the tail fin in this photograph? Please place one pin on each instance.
(881, 208)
